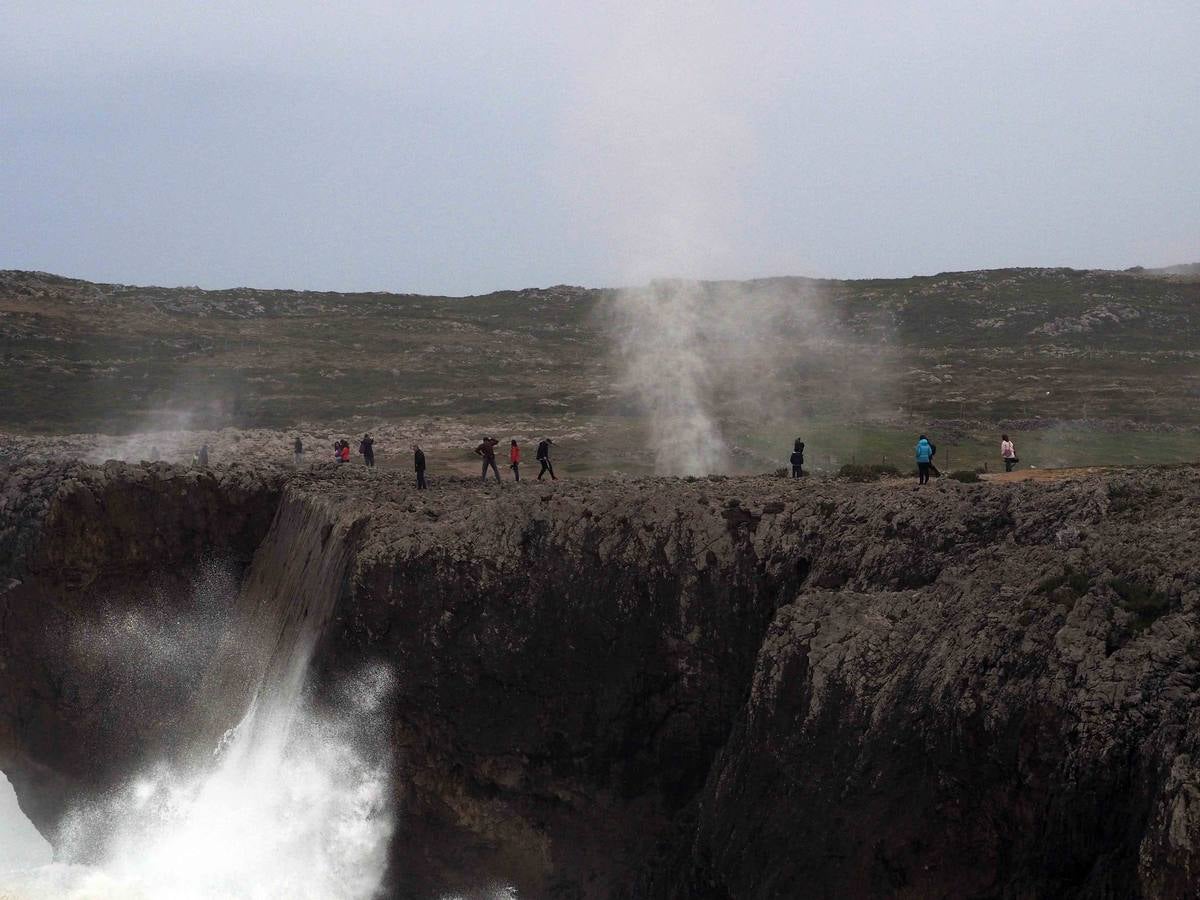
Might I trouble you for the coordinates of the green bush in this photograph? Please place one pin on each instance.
(1144, 602)
(966, 476)
(1076, 582)
(871, 472)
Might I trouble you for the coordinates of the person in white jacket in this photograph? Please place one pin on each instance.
(1008, 453)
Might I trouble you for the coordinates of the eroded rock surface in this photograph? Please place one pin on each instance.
(701, 688)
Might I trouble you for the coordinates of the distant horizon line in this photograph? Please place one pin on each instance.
(1177, 268)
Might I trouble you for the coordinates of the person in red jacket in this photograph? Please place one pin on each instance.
(345, 451)
(514, 459)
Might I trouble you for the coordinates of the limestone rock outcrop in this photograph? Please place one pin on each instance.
(676, 687)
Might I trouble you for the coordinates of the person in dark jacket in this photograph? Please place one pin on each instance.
(798, 458)
(367, 448)
(514, 459)
(202, 457)
(543, 456)
(298, 449)
(419, 465)
(487, 450)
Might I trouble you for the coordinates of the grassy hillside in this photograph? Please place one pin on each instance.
(1056, 351)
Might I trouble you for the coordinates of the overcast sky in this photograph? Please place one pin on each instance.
(460, 148)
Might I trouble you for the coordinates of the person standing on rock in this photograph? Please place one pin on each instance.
(298, 449)
(202, 456)
(798, 458)
(367, 448)
(514, 459)
(1008, 453)
(419, 465)
(924, 459)
(487, 450)
(543, 456)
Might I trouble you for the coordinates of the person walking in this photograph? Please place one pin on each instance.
(367, 448)
(487, 450)
(419, 465)
(924, 458)
(514, 459)
(298, 449)
(543, 456)
(1008, 453)
(798, 458)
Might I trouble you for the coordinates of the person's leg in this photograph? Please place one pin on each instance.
(484, 475)
(516, 472)
(543, 471)
(550, 466)
(495, 470)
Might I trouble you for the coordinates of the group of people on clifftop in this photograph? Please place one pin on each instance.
(925, 449)
(486, 450)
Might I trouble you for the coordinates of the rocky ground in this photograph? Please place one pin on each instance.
(997, 346)
(718, 687)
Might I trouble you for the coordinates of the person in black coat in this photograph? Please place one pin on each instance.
(419, 465)
(543, 456)
(798, 458)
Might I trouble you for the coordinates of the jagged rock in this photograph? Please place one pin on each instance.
(971, 690)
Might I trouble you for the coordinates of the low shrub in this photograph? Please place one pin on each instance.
(966, 476)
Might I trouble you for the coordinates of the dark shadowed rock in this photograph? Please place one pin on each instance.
(743, 688)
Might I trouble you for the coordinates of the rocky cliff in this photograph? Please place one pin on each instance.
(673, 688)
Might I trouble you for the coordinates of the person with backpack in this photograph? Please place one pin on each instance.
(487, 450)
(367, 448)
(514, 459)
(1008, 453)
(798, 458)
(924, 459)
(543, 456)
(419, 465)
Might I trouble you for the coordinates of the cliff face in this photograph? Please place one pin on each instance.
(714, 688)
(97, 564)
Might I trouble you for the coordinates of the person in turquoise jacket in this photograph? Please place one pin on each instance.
(924, 458)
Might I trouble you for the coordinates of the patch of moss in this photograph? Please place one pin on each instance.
(1144, 602)
(1076, 582)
